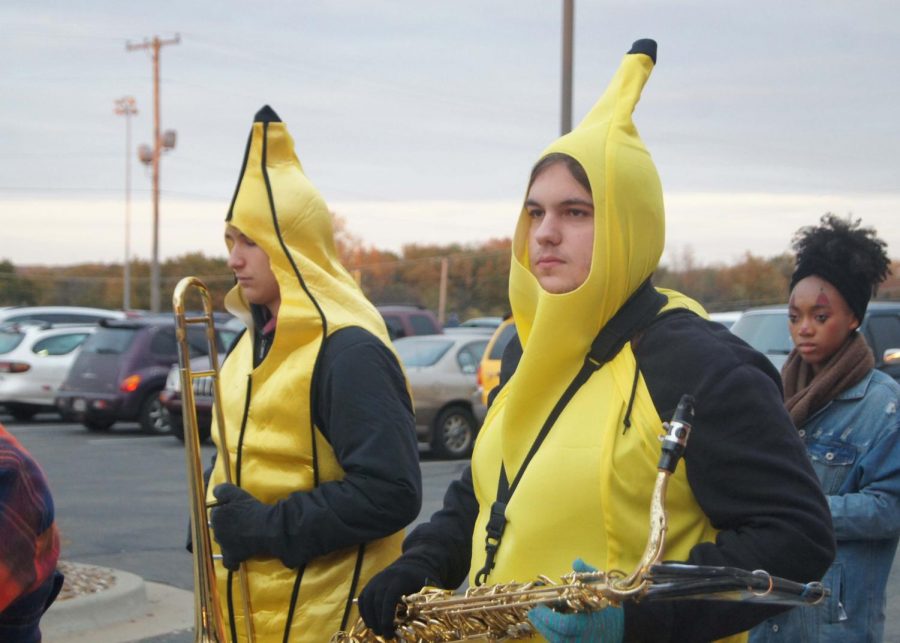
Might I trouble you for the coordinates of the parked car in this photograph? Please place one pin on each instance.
(482, 322)
(172, 400)
(170, 396)
(487, 331)
(766, 330)
(34, 360)
(58, 314)
(726, 318)
(122, 368)
(488, 376)
(441, 372)
(405, 321)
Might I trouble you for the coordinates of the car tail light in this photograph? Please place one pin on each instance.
(14, 367)
(130, 383)
(478, 376)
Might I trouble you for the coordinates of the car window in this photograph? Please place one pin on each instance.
(226, 338)
(423, 324)
(197, 341)
(884, 331)
(502, 340)
(109, 340)
(9, 340)
(163, 342)
(414, 352)
(768, 333)
(469, 356)
(59, 344)
(394, 326)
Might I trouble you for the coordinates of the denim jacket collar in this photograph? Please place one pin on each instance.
(858, 390)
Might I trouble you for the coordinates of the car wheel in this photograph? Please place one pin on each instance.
(454, 433)
(22, 412)
(97, 425)
(151, 417)
(176, 425)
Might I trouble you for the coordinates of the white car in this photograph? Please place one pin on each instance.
(727, 319)
(34, 361)
(58, 314)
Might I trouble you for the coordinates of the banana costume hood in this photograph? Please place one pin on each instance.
(277, 206)
(586, 491)
(274, 447)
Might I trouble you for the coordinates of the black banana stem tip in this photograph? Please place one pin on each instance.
(644, 46)
(266, 115)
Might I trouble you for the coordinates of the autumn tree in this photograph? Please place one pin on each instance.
(15, 289)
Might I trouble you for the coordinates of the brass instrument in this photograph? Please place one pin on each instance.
(208, 624)
(500, 612)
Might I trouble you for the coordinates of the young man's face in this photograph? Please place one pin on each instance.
(561, 238)
(252, 270)
(819, 320)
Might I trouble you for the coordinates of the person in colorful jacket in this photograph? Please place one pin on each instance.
(847, 414)
(319, 423)
(29, 544)
(588, 239)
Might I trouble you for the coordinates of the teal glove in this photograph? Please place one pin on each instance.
(606, 626)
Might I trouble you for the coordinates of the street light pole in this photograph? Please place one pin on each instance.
(126, 107)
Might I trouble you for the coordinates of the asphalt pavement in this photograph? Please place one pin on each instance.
(121, 503)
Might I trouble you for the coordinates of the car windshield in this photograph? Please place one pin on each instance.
(9, 339)
(109, 340)
(421, 352)
(766, 332)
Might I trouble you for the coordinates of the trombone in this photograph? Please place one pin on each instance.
(209, 626)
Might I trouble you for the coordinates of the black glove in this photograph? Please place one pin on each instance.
(379, 599)
(241, 525)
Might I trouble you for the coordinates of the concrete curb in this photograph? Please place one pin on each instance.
(125, 599)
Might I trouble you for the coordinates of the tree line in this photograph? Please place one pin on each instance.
(476, 278)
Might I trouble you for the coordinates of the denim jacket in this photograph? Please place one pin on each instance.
(854, 444)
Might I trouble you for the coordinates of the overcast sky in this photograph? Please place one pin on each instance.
(419, 121)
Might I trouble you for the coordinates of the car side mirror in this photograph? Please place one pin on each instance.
(891, 356)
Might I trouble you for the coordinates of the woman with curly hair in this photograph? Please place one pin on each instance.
(846, 412)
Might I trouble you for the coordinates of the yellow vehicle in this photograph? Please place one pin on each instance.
(489, 368)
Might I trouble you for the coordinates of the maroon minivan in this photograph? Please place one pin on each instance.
(122, 368)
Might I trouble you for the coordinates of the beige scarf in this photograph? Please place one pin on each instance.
(805, 392)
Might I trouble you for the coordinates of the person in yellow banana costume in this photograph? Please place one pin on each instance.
(564, 466)
(318, 417)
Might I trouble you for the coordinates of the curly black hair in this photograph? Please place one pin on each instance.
(847, 255)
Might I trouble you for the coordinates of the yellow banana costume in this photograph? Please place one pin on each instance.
(275, 447)
(586, 492)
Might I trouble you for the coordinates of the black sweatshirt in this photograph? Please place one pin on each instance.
(744, 461)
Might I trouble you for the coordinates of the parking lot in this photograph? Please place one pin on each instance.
(121, 501)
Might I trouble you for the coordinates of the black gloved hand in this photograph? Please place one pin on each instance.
(240, 525)
(379, 599)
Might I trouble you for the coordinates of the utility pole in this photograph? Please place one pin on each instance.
(442, 292)
(126, 107)
(568, 23)
(154, 46)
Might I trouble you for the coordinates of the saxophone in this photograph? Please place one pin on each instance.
(500, 612)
